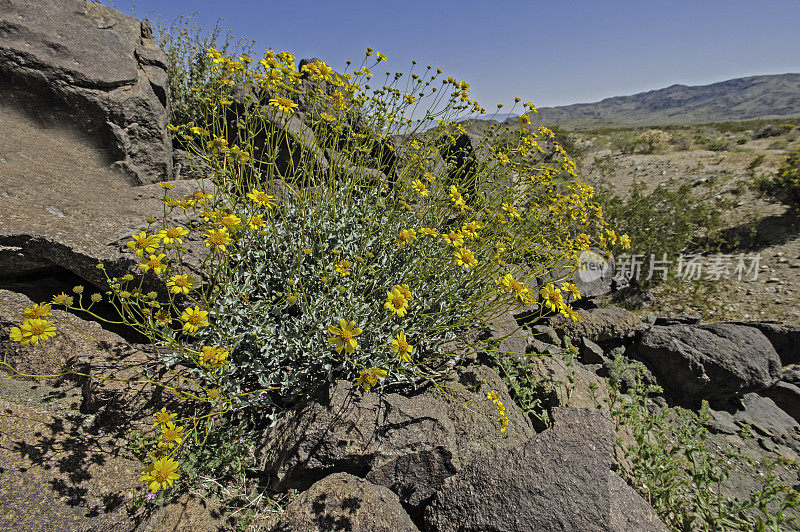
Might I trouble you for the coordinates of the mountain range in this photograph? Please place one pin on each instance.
(769, 96)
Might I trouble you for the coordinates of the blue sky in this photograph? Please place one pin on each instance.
(549, 52)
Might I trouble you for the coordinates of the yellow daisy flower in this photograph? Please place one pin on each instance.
(401, 346)
(161, 474)
(32, 331)
(396, 302)
(193, 319)
(370, 378)
(344, 336)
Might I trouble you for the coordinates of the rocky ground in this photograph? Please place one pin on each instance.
(764, 226)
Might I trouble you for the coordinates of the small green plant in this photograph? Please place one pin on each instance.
(654, 139)
(626, 142)
(674, 469)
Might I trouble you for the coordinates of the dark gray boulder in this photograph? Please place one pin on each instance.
(83, 62)
(763, 414)
(786, 396)
(600, 325)
(559, 480)
(716, 362)
(785, 338)
(408, 444)
(344, 502)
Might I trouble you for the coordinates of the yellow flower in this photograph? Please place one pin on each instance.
(327, 117)
(32, 331)
(430, 177)
(421, 188)
(406, 236)
(428, 231)
(196, 197)
(229, 220)
(409, 99)
(552, 297)
(284, 104)
(160, 474)
(524, 119)
(381, 57)
(193, 319)
(171, 435)
(172, 235)
(572, 289)
(217, 145)
(370, 378)
(503, 158)
(401, 346)
(163, 318)
(512, 211)
(163, 417)
(470, 230)
(625, 241)
(212, 357)
(198, 131)
(403, 288)
(39, 310)
(464, 257)
(344, 267)
(454, 238)
(154, 263)
(569, 312)
(96, 298)
(181, 284)
(262, 198)
(143, 243)
(343, 337)
(218, 238)
(62, 299)
(256, 222)
(396, 302)
(457, 198)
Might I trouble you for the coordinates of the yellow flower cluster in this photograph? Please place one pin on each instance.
(495, 398)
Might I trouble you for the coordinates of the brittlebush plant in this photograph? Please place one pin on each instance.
(361, 255)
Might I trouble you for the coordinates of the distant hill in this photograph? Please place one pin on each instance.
(747, 98)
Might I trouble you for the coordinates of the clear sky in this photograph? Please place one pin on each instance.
(550, 52)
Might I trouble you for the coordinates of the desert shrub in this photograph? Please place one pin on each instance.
(654, 139)
(718, 144)
(352, 260)
(785, 184)
(669, 219)
(189, 68)
(626, 142)
(681, 141)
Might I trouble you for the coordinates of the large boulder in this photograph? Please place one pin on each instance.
(408, 444)
(559, 480)
(785, 338)
(101, 70)
(716, 362)
(600, 325)
(344, 502)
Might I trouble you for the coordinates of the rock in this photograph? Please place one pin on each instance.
(763, 414)
(791, 374)
(559, 480)
(722, 422)
(785, 338)
(408, 444)
(629, 511)
(57, 474)
(591, 353)
(600, 325)
(686, 319)
(715, 362)
(786, 396)
(344, 502)
(88, 64)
